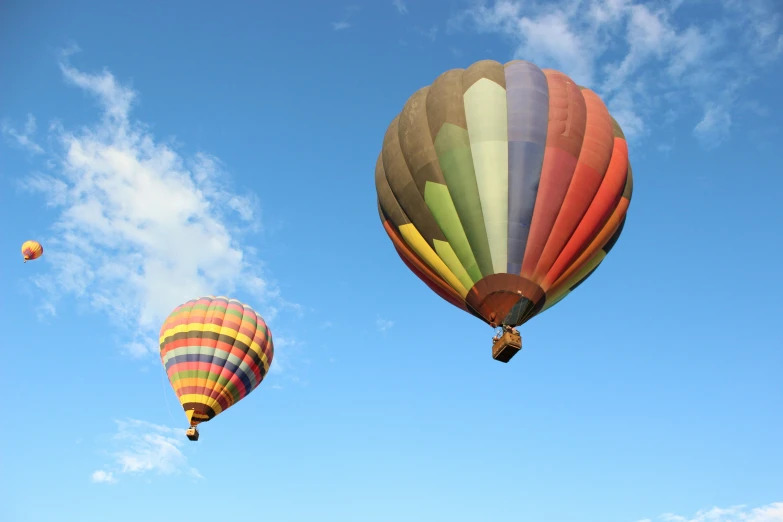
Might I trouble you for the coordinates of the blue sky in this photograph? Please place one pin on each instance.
(165, 150)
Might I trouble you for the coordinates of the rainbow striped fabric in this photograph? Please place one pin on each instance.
(215, 351)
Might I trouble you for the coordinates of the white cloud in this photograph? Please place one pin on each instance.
(401, 7)
(286, 347)
(769, 513)
(55, 190)
(756, 108)
(146, 447)
(103, 477)
(115, 99)
(23, 138)
(142, 228)
(643, 58)
(549, 37)
(714, 127)
(383, 324)
(344, 21)
(607, 11)
(649, 35)
(137, 349)
(622, 108)
(430, 33)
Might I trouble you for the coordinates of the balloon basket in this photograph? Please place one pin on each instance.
(192, 433)
(506, 346)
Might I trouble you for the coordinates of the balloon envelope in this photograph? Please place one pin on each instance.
(503, 187)
(215, 351)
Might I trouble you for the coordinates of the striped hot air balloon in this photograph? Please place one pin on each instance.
(503, 187)
(31, 250)
(215, 351)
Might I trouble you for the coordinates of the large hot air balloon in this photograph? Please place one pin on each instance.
(215, 351)
(31, 250)
(503, 187)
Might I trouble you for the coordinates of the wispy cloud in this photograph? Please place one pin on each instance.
(665, 148)
(23, 138)
(344, 22)
(285, 349)
(430, 33)
(142, 228)
(644, 58)
(103, 477)
(143, 447)
(401, 7)
(769, 513)
(383, 324)
(714, 127)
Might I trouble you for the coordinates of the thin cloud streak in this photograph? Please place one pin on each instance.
(644, 59)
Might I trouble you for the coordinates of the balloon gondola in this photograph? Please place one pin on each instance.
(503, 188)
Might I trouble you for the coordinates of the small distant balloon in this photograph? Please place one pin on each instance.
(31, 250)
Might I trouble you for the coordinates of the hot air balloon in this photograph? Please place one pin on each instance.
(215, 351)
(31, 250)
(503, 187)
